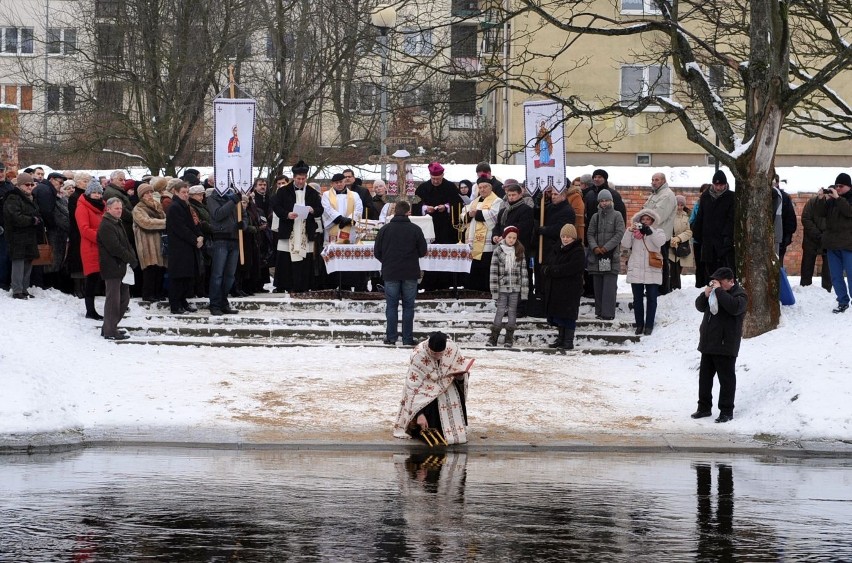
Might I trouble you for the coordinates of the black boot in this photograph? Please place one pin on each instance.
(558, 342)
(509, 341)
(567, 340)
(639, 329)
(495, 334)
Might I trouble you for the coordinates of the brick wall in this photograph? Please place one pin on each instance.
(9, 131)
(635, 197)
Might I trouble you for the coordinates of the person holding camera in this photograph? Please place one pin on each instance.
(645, 266)
(723, 303)
(835, 204)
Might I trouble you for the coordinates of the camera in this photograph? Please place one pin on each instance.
(827, 190)
(637, 225)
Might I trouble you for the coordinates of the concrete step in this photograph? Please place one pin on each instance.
(354, 333)
(580, 348)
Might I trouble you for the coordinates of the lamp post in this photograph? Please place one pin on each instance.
(383, 17)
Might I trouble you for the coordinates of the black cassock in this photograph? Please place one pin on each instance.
(445, 193)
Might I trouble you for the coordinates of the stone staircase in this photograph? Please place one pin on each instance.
(274, 320)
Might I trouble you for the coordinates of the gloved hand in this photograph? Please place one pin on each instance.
(344, 222)
(545, 270)
(36, 221)
(235, 197)
(646, 230)
(542, 230)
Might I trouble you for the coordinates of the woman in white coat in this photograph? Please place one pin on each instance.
(682, 234)
(641, 238)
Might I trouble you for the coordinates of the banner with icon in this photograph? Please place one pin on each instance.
(545, 146)
(233, 143)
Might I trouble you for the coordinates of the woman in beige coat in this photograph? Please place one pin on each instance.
(642, 238)
(682, 233)
(149, 224)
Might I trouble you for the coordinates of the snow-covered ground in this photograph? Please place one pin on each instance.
(57, 375)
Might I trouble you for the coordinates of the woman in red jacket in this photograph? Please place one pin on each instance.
(89, 212)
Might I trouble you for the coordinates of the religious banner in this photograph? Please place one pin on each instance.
(393, 180)
(233, 143)
(545, 146)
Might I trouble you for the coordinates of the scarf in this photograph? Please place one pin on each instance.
(509, 251)
(154, 210)
(335, 231)
(299, 238)
(479, 230)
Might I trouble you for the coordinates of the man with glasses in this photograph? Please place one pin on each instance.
(713, 227)
(24, 230)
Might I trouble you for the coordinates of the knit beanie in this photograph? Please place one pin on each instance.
(94, 187)
(144, 189)
(568, 230)
(604, 194)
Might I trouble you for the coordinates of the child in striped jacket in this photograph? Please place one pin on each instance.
(509, 285)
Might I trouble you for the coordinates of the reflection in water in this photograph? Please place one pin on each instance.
(171, 505)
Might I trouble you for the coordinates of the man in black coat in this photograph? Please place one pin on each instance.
(483, 171)
(515, 212)
(723, 303)
(24, 227)
(600, 181)
(184, 241)
(556, 215)
(713, 227)
(399, 246)
(440, 199)
(114, 256)
(294, 262)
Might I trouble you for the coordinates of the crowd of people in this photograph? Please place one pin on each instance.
(543, 250)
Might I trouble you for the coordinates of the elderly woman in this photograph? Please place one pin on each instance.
(24, 229)
(89, 212)
(642, 239)
(381, 190)
(149, 224)
(682, 235)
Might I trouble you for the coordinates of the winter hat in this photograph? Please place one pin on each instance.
(511, 182)
(467, 183)
(24, 178)
(158, 183)
(144, 189)
(68, 184)
(568, 230)
(601, 172)
(723, 274)
(300, 168)
(199, 189)
(337, 177)
(843, 179)
(129, 185)
(720, 178)
(209, 191)
(604, 194)
(510, 229)
(94, 187)
(53, 175)
(681, 199)
(438, 341)
(435, 169)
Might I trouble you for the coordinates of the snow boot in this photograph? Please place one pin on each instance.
(558, 342)
(567, 340)
(495, 333)
(509, 341)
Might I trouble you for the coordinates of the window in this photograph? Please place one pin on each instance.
(61, 41)
(639, 7)
(641, 81)
(238, 48)
(16, 40)
(109, 95)
(716, 77)
(643, 160)
(107, 8)
(417, 41)
(21, 96)
(61, 98)
(462, 97)
(464, 8)
(463, 41)
(364, 97)
(422, 99)
(109, 41)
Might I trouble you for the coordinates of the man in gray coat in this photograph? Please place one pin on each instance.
(115, 255)
(664, 202)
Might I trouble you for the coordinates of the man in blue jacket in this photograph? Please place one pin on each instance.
(723, 303)
(399, 246)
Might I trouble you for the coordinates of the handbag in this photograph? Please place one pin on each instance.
(164, 245)
(45, 253)
(655, 259)
(682, 249)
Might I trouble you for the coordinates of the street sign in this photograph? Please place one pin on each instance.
(408, 142)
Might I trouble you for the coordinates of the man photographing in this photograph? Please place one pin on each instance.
(835, 204)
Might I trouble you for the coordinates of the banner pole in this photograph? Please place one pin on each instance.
(233, 94)
(541, 237)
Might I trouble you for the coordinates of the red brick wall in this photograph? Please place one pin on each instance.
(635, 197)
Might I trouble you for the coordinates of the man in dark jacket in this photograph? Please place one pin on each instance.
(114, 256)
(399, 246)
(483, 172)
(785, 219)
(556, 215)
(835, 204)
(713, 227)
(224, 248)
(183, 226)
(440, 199)
(723, 303)
(24, 228)
(600, 181)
